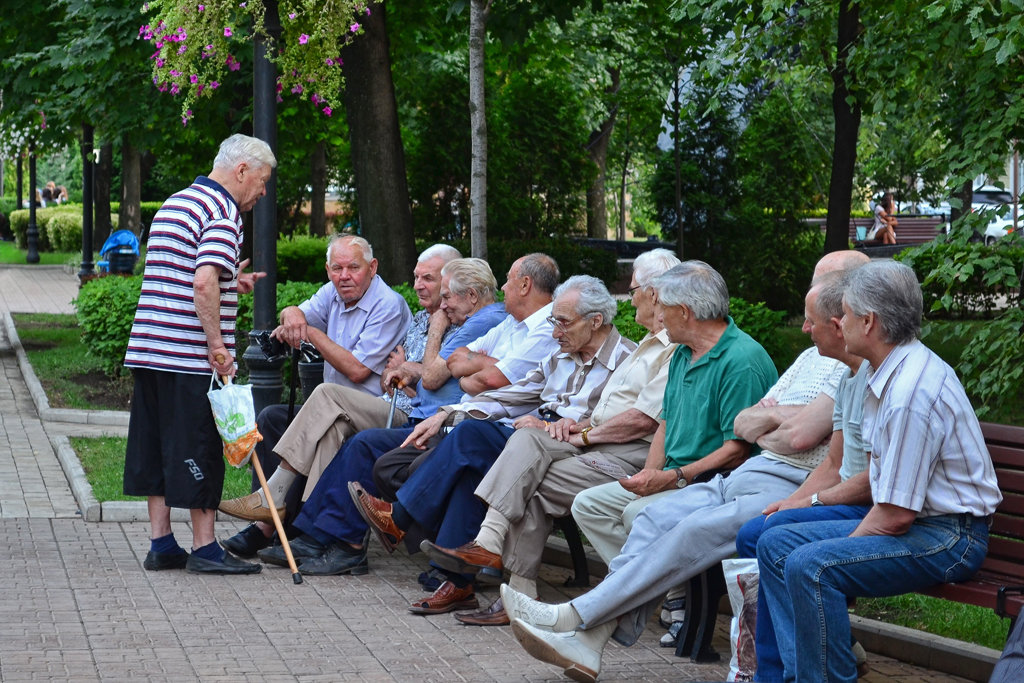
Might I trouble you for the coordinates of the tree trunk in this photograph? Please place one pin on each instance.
(101, 194)
(965, 193)
(677, 190)
(478, 11)
(623, 179)
(318, 181)
(130, 212)
(378, 160)
(597, 148)
(847, 124)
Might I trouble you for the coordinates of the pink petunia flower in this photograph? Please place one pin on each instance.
(291, 15)
(193, 78)
(303, 39)
(214, 85)
(227, 32)
(354, 27)
(327, 111)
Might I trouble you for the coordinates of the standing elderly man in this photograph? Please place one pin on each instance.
(933, 488)
(537, 475)
(439, 495)
(184, 328)
(334, 412)
(689, 531)
(467, 296)
(355, 321)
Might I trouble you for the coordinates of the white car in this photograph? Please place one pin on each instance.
(999, 226)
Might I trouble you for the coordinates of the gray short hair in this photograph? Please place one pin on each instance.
(241, 148)
(889, 290)
(445, 252)
(358, 241)
(831, 286)
(697, 286)
(465, 274)
(593, 297)
(542, 269)
(653, 263)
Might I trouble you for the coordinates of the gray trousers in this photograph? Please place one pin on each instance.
(331, 414)
(679, 536)
(1010, 667)
(535, 480)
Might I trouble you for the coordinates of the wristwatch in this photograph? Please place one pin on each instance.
(814, 500)
(583, 435)
(680, 479)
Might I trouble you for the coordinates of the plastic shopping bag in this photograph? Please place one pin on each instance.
(741, 579)
(235, 415)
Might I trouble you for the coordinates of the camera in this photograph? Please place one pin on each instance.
(272, 347)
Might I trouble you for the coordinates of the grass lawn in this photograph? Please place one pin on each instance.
(9, 253)
(968, 623)
(103, 461)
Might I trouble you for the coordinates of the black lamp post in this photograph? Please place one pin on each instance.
(33, 231)
(265, 374)
(86, 271)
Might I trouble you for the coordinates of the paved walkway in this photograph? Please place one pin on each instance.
(77, 605)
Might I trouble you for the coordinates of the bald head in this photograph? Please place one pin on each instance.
(847, 259)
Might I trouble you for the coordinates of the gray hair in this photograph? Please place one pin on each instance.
(542, 269)
(445, 252)
(651, 264)
(830, 287)
(697, 286)
(358, 241)
(593, 297)
(240, 148)
(889, 290)
(467, 274)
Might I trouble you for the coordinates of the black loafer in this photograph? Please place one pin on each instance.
(230, 565)
(247, 542)
(158, 561)
(338, 559)
(303, 548)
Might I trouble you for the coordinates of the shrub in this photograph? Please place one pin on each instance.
(760, 322)
(961, 279)
(625, 322)
(19, 224)
(572, 258)
(301, 259)
(105, 307)
(64, 231)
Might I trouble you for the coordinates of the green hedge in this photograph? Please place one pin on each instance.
(572, 258)
(302, 259)
(60, 227)
(105, 307)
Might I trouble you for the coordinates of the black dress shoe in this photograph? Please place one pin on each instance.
(156, 561)
(303, 548)
(230, 565)
(247, 542)
(337, 559)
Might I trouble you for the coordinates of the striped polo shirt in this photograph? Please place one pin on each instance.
(198, 226)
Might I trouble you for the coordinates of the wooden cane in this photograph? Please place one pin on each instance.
(255, 462)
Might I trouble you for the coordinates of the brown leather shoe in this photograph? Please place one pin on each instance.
(377, 514)
(466, 559)
(446, 599)
(494, 615)
(249, 507)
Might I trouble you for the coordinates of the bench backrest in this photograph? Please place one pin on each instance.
(911, 229)
(1005, 559)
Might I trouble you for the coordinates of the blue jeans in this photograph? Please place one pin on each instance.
(809, 570)
(769, 663)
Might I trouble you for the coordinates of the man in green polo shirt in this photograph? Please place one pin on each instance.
(717, 371)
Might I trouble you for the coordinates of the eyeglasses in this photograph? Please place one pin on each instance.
(631, 290)
(563, 325)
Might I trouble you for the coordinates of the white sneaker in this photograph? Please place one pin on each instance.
(578, 652)
(519, 606)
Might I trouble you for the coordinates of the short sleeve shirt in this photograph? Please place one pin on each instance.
(198, 226)
(703, 398)
(519, 346)
(848, 416)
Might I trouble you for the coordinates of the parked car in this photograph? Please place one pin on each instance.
(999, 225)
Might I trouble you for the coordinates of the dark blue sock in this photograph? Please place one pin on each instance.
(165, 544)
(401, 518)
(211, 551)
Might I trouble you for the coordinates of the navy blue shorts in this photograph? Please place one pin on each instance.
(174, 449)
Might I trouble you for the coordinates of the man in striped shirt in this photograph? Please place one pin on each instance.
(184, 327)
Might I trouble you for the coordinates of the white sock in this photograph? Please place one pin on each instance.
(568, 618)
(279, 483)
(493, 531)
(527, 587)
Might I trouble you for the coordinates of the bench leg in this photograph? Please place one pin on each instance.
(581, 578)
(703, 593)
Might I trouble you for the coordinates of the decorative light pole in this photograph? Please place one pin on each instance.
(264, 373)
(33, 231)
(87, 189)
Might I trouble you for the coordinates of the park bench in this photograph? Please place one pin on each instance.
(998, 585)
(912, 229)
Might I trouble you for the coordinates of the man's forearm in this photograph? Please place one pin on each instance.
(206, 296)
(338, 357)
(623, 428)
(884, 519)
